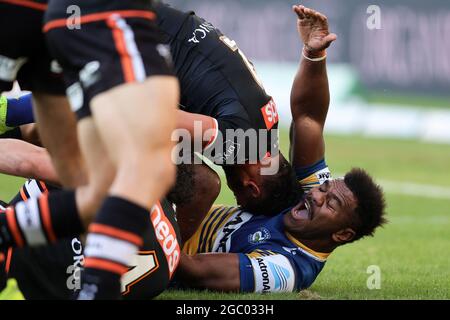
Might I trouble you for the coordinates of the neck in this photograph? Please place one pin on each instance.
(319, 245)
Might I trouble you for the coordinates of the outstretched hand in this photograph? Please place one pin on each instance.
(313, 30)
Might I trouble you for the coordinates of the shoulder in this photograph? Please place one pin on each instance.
(313, 176)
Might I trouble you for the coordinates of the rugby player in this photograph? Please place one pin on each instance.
(53, 272)
(25, 57)
(113, 59)
(221, 91)
(237, 101)
(286, 252)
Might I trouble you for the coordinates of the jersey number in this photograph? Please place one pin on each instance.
(233, 46)
(144, 263)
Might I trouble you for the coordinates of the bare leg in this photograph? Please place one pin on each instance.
(135, 123)
(57, 129)
(100, 169)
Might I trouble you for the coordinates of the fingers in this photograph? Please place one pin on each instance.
(299, 10)
(330, 38)
(307, 13)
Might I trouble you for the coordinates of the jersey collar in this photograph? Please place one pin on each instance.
(320, 256)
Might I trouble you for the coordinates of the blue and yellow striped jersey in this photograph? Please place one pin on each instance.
(271, 260)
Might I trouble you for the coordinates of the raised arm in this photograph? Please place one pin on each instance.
(310, 96)
(213, 271)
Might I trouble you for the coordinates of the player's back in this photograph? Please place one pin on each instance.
(216, 78)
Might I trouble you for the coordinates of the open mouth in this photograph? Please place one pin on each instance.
(302, 211)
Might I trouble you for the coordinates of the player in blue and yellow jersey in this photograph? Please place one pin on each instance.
(286, 252)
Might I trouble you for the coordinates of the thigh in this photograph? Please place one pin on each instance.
(57, 128)
(99, 167)
(135, 120)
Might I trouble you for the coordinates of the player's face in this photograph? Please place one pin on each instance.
(324, 211)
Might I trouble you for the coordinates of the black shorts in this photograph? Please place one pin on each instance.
(53, 272)
(23, 52)
(104, 49)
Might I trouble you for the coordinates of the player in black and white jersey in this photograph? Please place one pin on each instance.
(221, 91)
(110, 56)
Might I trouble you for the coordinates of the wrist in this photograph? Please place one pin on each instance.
(314, 55)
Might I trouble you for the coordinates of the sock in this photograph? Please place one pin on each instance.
(31, 189)
(19, 111)
(39, 221)
(113, 240)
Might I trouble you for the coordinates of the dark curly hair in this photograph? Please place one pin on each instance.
(370, 211)
(183, 190)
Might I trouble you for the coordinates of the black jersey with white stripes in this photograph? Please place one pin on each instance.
(216, 78)
(53, 272)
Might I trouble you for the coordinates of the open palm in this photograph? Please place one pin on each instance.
(313, 29)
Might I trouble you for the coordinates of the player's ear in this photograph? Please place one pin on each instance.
(254, 189)
(343, 236)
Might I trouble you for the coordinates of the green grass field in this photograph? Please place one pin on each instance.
(412, 251)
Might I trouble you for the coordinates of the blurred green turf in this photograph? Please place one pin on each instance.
(412, 251)
(407, 100)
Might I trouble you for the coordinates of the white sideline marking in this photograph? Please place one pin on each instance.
(411, 189)
(389, 186)
(415, 189)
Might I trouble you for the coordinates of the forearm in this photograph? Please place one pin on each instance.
(310, 95)
(19, 158)
(215, 271)
(200, 127)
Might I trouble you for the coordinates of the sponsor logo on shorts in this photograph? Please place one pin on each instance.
(201, 32)
(90, 74)
(273, 274)
(260, 236)
(270, 114)
(10, 67)
(55, 67)
(76, 96)
(167, 237)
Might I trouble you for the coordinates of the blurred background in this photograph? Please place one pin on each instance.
(387, 82)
